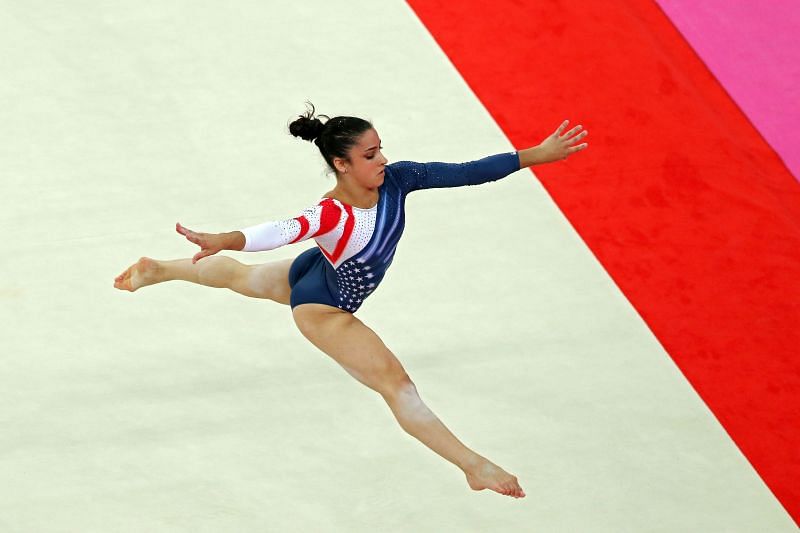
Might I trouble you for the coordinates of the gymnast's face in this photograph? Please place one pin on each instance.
(366, 161)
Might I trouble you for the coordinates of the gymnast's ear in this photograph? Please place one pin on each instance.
(340, 165)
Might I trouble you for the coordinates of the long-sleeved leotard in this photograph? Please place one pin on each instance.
(355, 246)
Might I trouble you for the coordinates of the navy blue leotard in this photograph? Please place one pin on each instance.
(356, 246)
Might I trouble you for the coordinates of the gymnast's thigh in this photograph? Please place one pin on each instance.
(356, 347)
(274, 280)
(270, 280)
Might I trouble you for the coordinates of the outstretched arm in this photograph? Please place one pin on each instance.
(414, 176)
(436, 175)
(314, 221)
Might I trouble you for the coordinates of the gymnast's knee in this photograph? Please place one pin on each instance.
(219, 271)
(396, 386)
(404, 400)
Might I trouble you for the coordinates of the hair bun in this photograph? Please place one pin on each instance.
(307, 127)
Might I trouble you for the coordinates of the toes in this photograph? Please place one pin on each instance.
(514, 491)
(509, 490)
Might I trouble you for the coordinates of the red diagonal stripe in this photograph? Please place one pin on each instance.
(329, 218)
(304, 225)
(349, 224)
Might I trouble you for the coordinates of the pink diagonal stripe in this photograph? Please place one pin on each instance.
(752, 49)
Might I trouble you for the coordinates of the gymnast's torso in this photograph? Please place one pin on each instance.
(355, 246)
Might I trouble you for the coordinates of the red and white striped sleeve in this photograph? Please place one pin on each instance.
(314, 221)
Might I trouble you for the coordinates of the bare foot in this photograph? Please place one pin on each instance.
(140, 274)
(484, 474)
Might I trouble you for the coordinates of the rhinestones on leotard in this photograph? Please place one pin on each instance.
(351, 282)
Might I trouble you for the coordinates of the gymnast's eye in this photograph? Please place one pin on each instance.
(373, 155)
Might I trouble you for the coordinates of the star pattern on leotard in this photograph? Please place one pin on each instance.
(351, 292)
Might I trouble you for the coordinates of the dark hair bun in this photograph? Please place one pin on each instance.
(335, 137)
(307, 127)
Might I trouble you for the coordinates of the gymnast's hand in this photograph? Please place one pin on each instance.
(557, 147)
(209, 243)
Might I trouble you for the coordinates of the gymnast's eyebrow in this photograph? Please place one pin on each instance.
(373, 147)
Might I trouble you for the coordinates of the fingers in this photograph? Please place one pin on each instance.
(190, 235)
(183, 231)
(578, 148)
(203, 253)
(573, 131)
(562, 127)
(580, 136)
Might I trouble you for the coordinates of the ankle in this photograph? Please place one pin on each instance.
(472, 463)
(151, 270)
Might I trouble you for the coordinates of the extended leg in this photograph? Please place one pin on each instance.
(362, 354)
(269, 280)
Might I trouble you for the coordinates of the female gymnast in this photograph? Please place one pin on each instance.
(356, 226)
